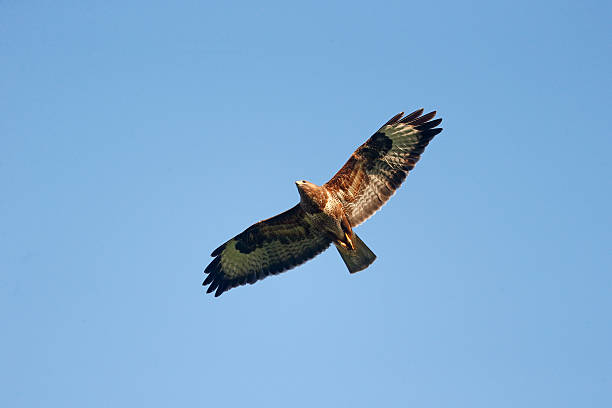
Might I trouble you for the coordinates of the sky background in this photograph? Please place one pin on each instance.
(137, 137)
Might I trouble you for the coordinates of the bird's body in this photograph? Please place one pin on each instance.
(327, 214)
(322, 209)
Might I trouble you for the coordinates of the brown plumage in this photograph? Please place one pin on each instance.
(327, 214)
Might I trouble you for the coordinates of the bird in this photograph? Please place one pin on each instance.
(328, 213)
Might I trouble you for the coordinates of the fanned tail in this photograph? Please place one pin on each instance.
(356, 259)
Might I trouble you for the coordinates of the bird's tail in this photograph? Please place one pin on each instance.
(356, 259)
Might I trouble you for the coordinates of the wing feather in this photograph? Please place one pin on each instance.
(267, 248)
(379, 166)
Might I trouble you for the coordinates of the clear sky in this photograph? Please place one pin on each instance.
(137, 137)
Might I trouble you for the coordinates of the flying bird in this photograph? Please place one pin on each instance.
(327, 214)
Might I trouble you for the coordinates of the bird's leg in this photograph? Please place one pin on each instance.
(342, 244)
(348, 233)
(345, 241)
(349, 241)
(337, 240)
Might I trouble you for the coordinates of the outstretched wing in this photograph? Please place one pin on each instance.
(379, 166)
(268, 247)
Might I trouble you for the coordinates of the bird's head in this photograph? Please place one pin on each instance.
(302, 182)
(309, 192)
(303, 185)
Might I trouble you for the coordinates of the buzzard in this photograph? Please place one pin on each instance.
(327, 214)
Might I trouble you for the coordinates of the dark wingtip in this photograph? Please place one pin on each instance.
(429, 125)
(394, 119)
(214, 282)
(218, 250)
(412, 116)
(208, 279)
(429, 134)
(422, 119)
(213, 265)
(222, 288)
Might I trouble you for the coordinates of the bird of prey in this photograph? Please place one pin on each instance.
(327, 214)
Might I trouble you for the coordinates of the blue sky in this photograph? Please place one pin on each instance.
(135, 138)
